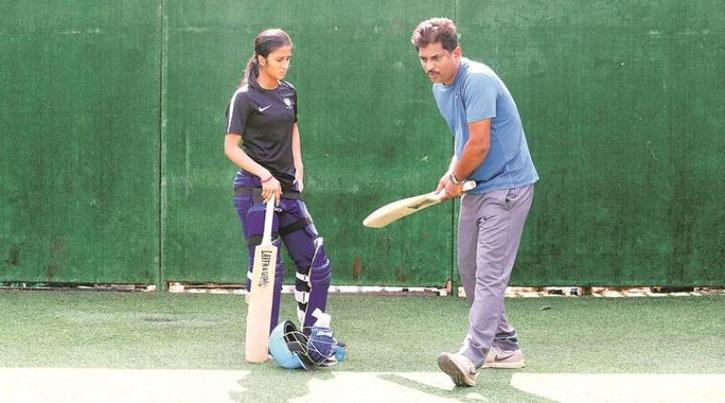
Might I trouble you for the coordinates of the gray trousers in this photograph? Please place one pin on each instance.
(489, 231)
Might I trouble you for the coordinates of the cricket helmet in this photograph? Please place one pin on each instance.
(286, 343)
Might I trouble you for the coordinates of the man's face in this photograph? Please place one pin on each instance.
(439, 64)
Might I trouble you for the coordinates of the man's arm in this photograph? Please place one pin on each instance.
(474, 153)
(444, 179)
(475, 150)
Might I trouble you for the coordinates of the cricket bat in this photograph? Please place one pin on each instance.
(259, 312)
(402, 208)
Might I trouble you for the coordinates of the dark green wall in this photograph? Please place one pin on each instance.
(113, 119)
(79, 143)
(369, 130)
(623, 107)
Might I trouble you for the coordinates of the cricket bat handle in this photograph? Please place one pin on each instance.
(268, 218)
(467, 185)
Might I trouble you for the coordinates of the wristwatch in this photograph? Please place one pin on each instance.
(455, 181)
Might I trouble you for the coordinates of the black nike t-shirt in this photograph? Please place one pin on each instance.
(264, 119)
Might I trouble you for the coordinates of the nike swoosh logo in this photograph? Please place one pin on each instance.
(501, 358)
(265, 108)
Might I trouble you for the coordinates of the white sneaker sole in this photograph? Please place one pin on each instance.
(507, 365)
(457, 375)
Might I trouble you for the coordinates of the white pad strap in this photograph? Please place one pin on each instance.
(302, 296)
(303, 277)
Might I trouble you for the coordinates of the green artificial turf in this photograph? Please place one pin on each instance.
(86, 329)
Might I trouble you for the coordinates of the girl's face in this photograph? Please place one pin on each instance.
(276, 64)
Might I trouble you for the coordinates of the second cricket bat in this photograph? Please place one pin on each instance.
(402, 208)
(259, 311)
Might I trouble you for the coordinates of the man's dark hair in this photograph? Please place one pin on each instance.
(435, 30)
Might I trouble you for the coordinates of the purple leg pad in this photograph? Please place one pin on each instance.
(295, 228)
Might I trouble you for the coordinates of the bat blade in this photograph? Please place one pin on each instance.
(402, 208)
(259, 311)
(398, 209)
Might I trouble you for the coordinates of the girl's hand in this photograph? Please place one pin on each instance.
(271, 188)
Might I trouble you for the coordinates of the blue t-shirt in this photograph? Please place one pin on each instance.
(477, 93)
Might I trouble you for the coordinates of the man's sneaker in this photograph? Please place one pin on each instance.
(461, 370)
(498, 358)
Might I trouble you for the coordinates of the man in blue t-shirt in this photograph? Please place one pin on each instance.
(491, 149)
